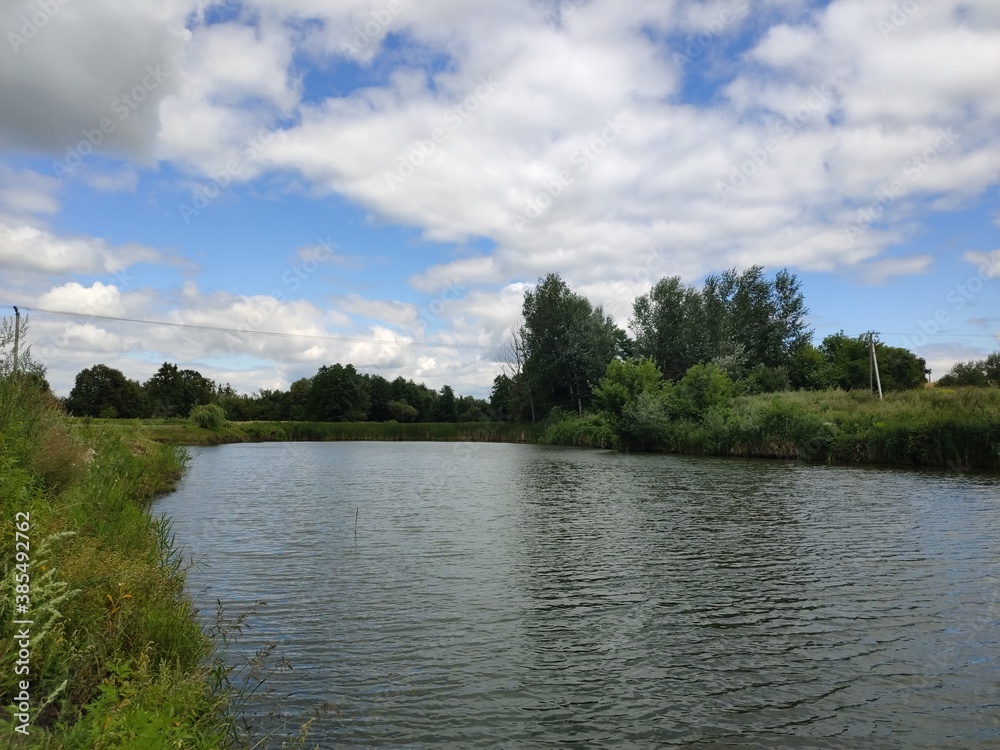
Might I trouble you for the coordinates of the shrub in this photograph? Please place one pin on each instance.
(209, 416)
(703, 387)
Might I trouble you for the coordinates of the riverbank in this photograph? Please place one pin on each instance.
(956, 428)
(184, 432)
(104, 649)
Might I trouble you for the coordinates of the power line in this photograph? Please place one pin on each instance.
(283, 334)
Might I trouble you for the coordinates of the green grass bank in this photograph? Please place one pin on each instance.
(185, 432)
(114, 656)
(957, 428)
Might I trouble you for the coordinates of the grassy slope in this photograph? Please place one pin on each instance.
(117, 657)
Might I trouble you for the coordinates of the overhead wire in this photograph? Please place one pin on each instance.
(284, 334)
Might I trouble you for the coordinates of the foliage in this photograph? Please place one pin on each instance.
(338, 395)
(763, 379)
(984, 372)
(446, 409)
(208, 416)
(702, 388)
(173, 392)
(624, 381)
(589, 431)
(738, 320)
(846, 364)
(100, 389)
(117, 655)
(567, 343)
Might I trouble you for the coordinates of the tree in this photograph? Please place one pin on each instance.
(337, 395)
(703, 387)
(515, 387)
(446, 409)
(624, 381)
(104, 391)
(669, 327)
(298, 399)
(846, 364)
(173, 393)
(984, 372)
(738, 320)
(567, 344)
(379, 396)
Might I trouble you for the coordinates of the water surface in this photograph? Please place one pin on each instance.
(528, 596)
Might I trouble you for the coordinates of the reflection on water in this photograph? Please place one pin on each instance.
(512, 596)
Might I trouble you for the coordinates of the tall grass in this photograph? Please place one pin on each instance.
(495, 432)
(183, 432)
(958, 428)
(117, 656)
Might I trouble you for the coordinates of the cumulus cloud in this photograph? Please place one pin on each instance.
(987, 263)
(570, 136)
(70, 66)
(26, 247)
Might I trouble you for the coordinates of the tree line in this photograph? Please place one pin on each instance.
(750, 328)
(745, 327)
(336, 393)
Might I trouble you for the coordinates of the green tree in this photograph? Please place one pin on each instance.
(209, 416)
(379, 396)
(172, 392)
(338, 394)
(567, 343)
(669, 327)
(738, 320)
(402, 411)
(445, 409)
(622, 383)
(298, 399)
(703, 388)
(104, 390)
(984, 372)
(846, 364)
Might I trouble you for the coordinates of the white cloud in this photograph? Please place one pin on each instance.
(881, 271)
(987, 263)
(25, 247)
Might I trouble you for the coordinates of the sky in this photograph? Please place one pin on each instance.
(379, 182)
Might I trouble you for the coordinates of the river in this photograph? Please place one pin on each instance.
(488, 595)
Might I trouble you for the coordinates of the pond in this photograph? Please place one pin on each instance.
(493, 595)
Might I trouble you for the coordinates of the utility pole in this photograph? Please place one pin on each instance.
(873, 364)
(17, 334)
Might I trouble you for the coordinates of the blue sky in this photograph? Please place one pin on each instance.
(380, 181)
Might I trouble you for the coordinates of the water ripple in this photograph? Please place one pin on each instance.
(521, 596)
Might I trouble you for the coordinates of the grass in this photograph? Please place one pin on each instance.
(958, 428)
(118, 657)
(184, 432)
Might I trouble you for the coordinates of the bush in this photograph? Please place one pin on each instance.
(209, 416)
(702, 388)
